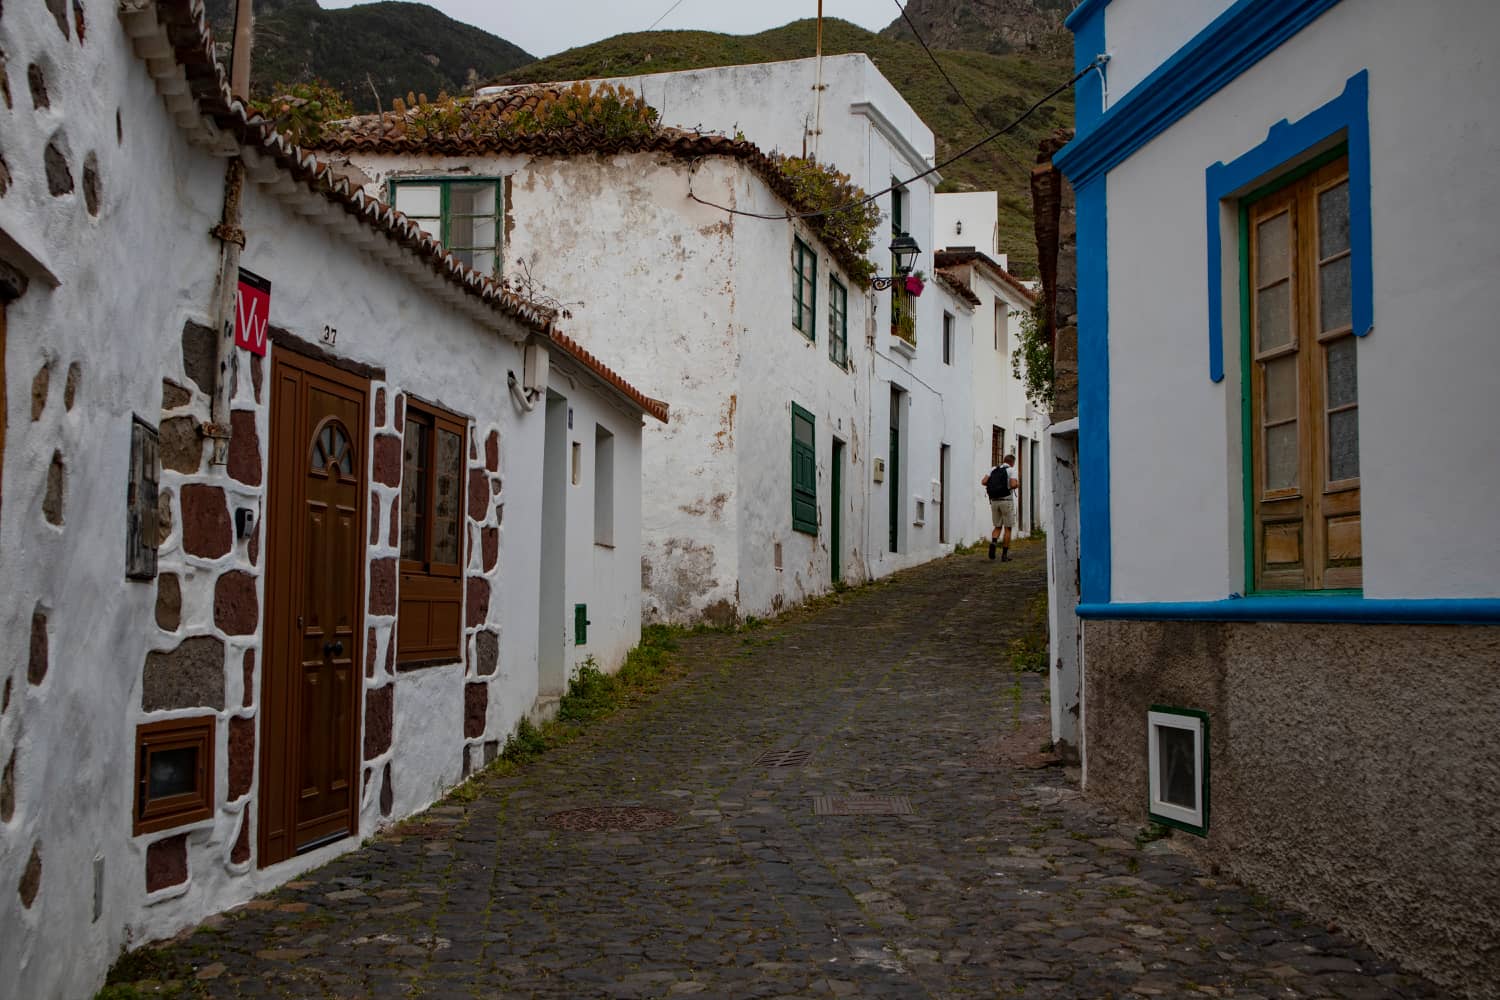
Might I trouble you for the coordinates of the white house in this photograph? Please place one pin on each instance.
(244, 547)
(841, 110)
(1004, 420)
(1286, 255)
(755, 497)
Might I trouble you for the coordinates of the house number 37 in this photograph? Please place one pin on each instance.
(330, 335)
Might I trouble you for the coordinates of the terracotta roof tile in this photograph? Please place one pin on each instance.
(185, 25)
(954, 258)
(390, 132)
(955, 284)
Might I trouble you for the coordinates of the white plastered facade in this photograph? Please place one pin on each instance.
(1425, 371)
(127, 280)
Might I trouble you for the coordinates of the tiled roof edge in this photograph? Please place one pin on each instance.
(951, 281)
(185, 24)
(950, 258)
(675, 142)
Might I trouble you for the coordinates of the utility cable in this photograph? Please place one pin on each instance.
(978, 119)
(790, 216)
(922, 42)
(659, 20)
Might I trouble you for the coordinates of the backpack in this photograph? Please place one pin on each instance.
(999, 488)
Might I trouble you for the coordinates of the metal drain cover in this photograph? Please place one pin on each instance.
(620, 818)
(784, 758)
(861, 805)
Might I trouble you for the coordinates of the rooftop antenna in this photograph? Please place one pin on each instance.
(818, 86)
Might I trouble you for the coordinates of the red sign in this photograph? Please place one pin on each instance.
(252, 312)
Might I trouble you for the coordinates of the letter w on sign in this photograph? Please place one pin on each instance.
(252, 312)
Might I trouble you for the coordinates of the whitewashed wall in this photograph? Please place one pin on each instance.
(1140, 35)
(131, 276)
(969, 219)
(1426, 372)
(871, 133)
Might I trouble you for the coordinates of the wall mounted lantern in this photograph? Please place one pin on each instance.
(905, 251)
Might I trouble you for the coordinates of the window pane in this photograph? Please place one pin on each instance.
(424, 200)
(1281, 456)
(432, 227)
(471, 231)
(1333, 221)
(414, 511)
(172, 772)
(482, 261)
(1343, 445)
(1273, 249)
(802, 430)
(1333, 294)
(1177, 763)
(472, 199)
(447, 503)
(1281, 389)
(1273, 316)
(1343, 379)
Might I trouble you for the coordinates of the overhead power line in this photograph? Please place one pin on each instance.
(966, 151)
(659, 20)
(922, 42)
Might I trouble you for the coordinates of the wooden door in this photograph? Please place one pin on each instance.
(314, 596)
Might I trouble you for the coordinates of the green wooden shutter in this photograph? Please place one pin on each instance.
(804, 472)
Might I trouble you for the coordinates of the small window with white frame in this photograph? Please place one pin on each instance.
(1177, 740)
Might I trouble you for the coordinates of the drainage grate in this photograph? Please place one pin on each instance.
(784, 758)
(619, 818)
(861, 805)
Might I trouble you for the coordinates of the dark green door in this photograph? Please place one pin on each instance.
(836, 517)
(894, 473)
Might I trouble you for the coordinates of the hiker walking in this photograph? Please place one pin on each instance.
(1000, 483)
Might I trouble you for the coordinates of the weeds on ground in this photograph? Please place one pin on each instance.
(1150, 832)
(1028, 652)
(149, 972)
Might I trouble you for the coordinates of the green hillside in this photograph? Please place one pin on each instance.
(378, 48)
(998, 87)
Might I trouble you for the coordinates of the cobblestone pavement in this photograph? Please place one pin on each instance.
(1000, 881)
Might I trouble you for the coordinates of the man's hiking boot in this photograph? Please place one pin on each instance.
(992, 548)
(1004, 555)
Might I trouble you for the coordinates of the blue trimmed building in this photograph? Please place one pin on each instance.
(1287, 461)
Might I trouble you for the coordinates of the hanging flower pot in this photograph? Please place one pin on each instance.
(914, 285)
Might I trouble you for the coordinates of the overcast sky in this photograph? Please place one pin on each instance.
(546, 27)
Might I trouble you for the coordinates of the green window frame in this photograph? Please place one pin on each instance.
(804, 288)
(804, 472)
(838, 322)
(466, 215)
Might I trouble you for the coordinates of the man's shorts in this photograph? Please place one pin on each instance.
(1003, 512)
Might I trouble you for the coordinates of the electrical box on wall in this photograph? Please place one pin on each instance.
(880, 470)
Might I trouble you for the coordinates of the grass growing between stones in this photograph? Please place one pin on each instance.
(1028, 652)
(149, 972)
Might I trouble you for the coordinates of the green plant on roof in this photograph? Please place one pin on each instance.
(850, 220)
(300, 110)
(598, 112)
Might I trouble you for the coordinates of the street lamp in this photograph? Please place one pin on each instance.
(905, 251)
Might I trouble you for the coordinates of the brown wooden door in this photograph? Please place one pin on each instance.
(314, 596)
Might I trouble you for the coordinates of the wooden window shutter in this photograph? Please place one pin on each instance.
(804, 472)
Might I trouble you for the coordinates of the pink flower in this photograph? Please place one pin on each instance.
(914, 284)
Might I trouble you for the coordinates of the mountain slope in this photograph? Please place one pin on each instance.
(996, 26)
(997, 87)
(384, 49)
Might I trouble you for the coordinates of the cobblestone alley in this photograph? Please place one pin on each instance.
(998, 881)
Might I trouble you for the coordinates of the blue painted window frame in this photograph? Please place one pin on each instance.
(1344, 119)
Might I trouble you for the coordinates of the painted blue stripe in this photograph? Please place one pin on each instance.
(1086, 11)
(1088, 92)
(1235, 41)
(1346, 115)
(1354, 610)
(1093, 392)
